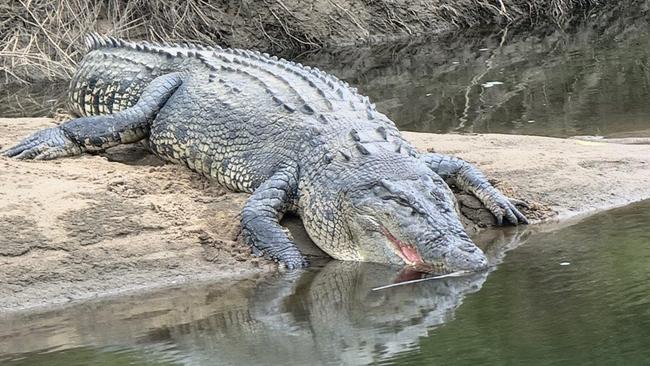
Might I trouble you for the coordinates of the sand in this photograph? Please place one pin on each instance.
(92, 226)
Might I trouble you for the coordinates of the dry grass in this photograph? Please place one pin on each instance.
(39, 39)
(42, 39)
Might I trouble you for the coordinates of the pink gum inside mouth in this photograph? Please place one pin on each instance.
(408, 252)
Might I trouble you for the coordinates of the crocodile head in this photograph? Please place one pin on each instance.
(411, 222)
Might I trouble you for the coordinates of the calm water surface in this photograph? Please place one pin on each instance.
(578, 295)
(593, 81)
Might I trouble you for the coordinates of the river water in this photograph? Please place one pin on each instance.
(575, 295)
(593, 81)
(578, 295)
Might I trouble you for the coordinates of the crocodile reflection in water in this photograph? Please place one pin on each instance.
(329, 315)
(322, 315)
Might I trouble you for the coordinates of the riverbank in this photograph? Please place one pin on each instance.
(44, 39)
(79, 228)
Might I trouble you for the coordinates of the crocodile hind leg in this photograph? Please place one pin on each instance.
(261, 216)
(96, 133)
(469, 178)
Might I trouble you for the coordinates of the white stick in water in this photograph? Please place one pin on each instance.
(453, 274)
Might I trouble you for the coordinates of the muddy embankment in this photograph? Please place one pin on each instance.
(83, 227)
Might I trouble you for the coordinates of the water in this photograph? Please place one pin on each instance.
(576, 295)
(594, 80)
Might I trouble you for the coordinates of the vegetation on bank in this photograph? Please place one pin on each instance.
(43, 39)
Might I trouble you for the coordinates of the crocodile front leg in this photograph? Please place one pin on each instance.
(467, 177)
(261, 216)
(96, 133)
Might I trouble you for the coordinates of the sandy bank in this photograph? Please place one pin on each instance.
(83, 227)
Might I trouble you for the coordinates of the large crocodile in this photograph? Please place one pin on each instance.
(295, 137)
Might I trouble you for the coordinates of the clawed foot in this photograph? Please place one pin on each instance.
(295, 263)
(291, 261)
(504, 207)
(46, 144)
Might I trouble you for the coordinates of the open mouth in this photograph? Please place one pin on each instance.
(407, 252)
(411, 256)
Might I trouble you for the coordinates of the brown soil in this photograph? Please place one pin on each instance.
(78, 228)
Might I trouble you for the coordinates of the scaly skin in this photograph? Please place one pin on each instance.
(296, 138)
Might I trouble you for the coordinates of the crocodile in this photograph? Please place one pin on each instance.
(298, 139)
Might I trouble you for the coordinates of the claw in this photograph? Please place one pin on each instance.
(503, 207)
(295, 263)
(46, 144)
(29, 153)
(520, 216)
(518, 202)
(499, 219)
(511, 216)
(21, 147)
